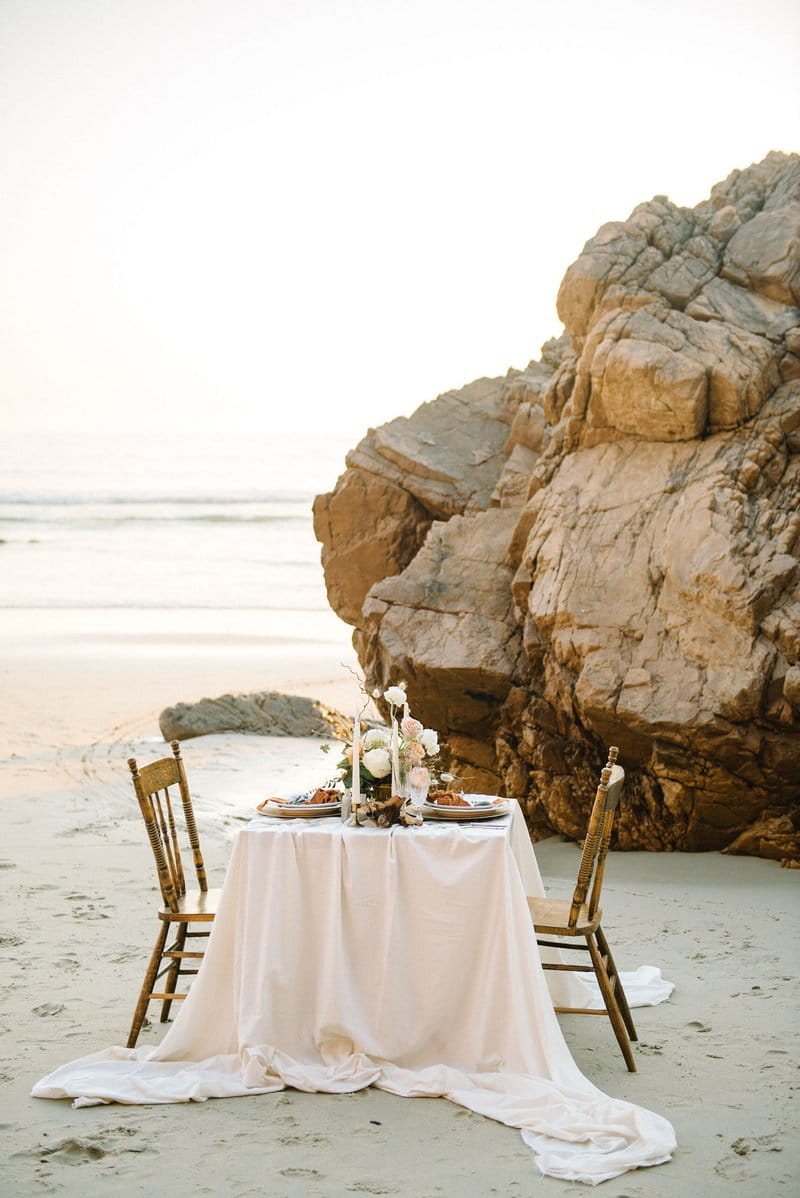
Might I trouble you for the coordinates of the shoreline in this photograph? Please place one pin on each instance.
(74, 675)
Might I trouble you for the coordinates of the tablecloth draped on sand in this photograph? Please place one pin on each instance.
(344, 958)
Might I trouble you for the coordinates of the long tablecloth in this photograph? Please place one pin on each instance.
(345, 957)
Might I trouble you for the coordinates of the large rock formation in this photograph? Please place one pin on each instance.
(604, 547)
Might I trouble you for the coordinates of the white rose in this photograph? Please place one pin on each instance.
(377, 737)
(429, 741)
(377, 762)
(395, 695)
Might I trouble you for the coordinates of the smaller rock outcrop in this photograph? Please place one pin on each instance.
(265, 713)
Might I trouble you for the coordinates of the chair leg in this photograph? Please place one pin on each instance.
(147, 985)
(173, 971)
(614, 1014)
(619, 992)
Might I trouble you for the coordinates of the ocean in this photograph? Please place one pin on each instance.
(211, 533)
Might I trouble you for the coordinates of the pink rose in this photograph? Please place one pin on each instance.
(410, 728)
(419, 776)
(414, 753)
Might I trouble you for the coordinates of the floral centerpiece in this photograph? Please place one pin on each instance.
(403, 748)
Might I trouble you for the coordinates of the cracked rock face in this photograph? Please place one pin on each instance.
(604, 547)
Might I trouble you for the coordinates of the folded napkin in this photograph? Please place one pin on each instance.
(449, 798)
(322, 795)
(315, 797)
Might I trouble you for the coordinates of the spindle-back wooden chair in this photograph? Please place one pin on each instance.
(180, 907)
(576, 919)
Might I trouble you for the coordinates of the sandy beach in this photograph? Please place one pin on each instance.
(79, 899)
(328, 320)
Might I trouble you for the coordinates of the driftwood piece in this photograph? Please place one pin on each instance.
(386, 812)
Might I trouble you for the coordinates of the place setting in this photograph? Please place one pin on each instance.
(321, 803)
(455, 807)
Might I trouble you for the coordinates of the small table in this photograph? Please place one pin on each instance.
(346, 957)
(400, 945)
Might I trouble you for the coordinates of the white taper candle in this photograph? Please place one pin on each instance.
(355, 789)
(395, 759)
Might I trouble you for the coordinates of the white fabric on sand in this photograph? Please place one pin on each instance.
(342, 958)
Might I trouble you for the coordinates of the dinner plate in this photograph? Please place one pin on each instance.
(298, 810)
(477, 810)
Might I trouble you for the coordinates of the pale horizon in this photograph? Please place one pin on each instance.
(265, 219)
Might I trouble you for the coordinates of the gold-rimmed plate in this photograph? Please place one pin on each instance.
(477, 810)
(298, 810)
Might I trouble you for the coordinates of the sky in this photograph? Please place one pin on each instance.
(277, 216)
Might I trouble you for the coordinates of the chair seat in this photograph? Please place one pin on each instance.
(196, 906)
(552, 915)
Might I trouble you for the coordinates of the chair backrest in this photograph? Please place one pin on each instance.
(598, 837)
(152, 785)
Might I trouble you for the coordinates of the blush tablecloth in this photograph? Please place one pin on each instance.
(345, 957)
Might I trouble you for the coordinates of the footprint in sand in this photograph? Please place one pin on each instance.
(48, 1008)
(736, 1168)
(372, 1187)
(90, 912)
(304, 1141)
(744, 1147)
(128, 954)
(698, 1026)
(84, 1150)
(732, 1169)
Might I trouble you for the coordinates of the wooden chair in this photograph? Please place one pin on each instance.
(578, 920)
(181, 907)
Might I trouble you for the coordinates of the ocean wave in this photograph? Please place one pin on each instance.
(87, 499)
(209, 518)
